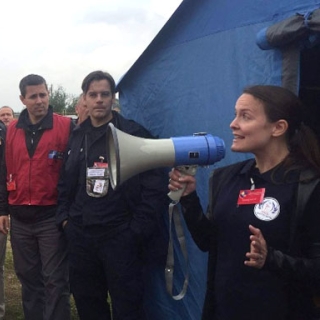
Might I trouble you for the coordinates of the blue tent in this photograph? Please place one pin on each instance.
(188, 79)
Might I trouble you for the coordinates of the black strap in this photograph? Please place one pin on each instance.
(175, 220)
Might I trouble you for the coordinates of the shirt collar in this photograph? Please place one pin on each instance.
(278, 174)
(43, 124)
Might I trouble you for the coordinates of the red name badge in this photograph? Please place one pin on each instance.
(251, 196)
(11, 186)
(100, 165)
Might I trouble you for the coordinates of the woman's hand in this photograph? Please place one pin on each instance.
(178, 181)
(258, 249)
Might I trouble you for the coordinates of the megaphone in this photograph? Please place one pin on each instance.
(129, 155)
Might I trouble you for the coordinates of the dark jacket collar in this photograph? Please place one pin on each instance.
(44, 124)
(278, 174)
(248, 166)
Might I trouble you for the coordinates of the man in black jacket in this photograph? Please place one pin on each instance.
(106, 229)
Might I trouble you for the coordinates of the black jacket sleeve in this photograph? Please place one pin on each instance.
(3, 173)
(303, 263)
(63, 200)
(4, 210)
(65, 190)
(146, 193)
(201, 228)
(147, 196)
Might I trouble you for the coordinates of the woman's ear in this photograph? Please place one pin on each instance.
(280, 128)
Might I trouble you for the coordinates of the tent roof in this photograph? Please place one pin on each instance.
(193, 20)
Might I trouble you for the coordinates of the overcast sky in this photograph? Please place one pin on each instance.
(64, 40)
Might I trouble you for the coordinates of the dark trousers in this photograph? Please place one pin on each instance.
(99, 266)
(40, 261)
(3, 245)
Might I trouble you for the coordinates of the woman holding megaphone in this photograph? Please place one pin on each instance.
(262, 230)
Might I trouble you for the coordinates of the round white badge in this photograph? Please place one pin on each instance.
(267, 210)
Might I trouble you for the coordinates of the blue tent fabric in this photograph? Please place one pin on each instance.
(188, 80)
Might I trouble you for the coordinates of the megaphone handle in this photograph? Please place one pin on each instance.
(185, 170)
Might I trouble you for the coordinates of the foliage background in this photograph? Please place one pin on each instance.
(62, 102)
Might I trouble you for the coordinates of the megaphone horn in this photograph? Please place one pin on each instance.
(129, 155)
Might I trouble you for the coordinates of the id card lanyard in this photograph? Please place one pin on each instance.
(101, 158)
(251, 196)
(253, 186)
(86, 149)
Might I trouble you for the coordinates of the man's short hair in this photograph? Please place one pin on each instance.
(8, 108)
(31, 80)
(97, 76)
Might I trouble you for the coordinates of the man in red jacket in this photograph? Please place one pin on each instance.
(35, 147)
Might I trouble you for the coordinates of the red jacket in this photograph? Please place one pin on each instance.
(34, 180)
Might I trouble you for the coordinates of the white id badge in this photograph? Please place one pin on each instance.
(97, 182)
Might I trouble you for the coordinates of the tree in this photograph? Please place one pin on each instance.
(61, 101)
(71, 107)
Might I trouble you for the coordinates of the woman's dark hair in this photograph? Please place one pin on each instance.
(280, 103)
(97, 76)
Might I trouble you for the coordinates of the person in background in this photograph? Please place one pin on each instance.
(107, 230)
(116, 106)
(81, 110)
(3, 235)
(262, 230)
(6, 115)
(35, 147)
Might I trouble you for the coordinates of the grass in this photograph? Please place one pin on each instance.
(13, 291)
